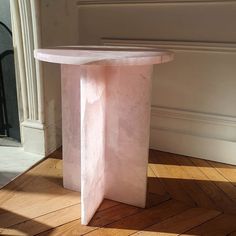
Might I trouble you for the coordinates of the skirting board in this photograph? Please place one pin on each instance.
(207, 136)
(40, 139)
(33, 137)
(195, 146)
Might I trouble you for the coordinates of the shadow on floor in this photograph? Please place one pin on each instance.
(176, 203)
(10, 219)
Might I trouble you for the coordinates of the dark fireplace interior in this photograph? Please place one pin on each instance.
(9, 116)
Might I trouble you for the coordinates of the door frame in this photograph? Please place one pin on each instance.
(25, 17)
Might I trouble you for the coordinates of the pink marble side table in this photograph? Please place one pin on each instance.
(106, 118)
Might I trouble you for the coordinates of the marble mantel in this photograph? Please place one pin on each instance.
(106, 117)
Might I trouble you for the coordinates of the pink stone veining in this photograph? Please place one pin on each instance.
(127, 133)
(106, 117)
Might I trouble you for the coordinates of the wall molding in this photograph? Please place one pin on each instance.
(212, 126)
(194, 116)
(173, 45)
(26, 37)
(103, 2)
(177, 137)
(194, 146)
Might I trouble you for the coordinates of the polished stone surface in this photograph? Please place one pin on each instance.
(104, 55)
(106, 117)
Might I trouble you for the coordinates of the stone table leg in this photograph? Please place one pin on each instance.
(93, 139)
(127, 133)
(115, 119)
(70, 89)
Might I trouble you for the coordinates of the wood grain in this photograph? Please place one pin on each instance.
(186, 196)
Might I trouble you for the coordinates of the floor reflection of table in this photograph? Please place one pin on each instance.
(105, 117)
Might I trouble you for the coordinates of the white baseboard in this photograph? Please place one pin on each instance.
(195, 146)
(40, 139)
(207, 136)
(194, 134)
(33, 137)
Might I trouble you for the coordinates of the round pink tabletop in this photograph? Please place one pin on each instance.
(103, 55)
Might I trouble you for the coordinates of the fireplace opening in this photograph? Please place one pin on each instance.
(9, 116)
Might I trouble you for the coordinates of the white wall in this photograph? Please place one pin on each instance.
(58, 27)
(194, 97)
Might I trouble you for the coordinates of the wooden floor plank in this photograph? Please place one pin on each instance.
(107, 204)
(101, 218)
(27, 208)
(156, 192)
(44, 222)
(219, 226)
(228, 171)
(73, 228)
(168, 176)
(51, 220)
(212, 174)
(132, 224)
(37, 203)
(198, 195)
(154, 184)
(189, 184)
(180, 223)
(49, 169)
(219, 198)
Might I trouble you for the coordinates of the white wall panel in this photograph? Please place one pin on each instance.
(58, 27)
(194, 97)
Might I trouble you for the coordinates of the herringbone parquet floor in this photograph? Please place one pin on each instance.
(186, 196)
